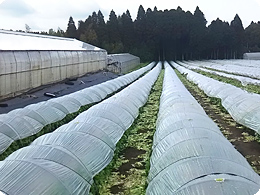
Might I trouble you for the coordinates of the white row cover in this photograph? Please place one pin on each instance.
(238, 62)
(24, 122)
(244, 107)
(190, 155)
(248, 68)
(65, 161)
(24, 70)
(195, 66)
(122, 63)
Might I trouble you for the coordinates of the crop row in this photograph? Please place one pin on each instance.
(246, 68)
(190, 154)
(65, 161)
(243, 79)
(240, 104)
(28, 121)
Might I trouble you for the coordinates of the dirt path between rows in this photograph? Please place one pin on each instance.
(242, 138)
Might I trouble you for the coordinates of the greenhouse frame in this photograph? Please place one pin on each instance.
(28, 61)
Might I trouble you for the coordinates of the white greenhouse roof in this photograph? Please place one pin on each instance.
(11, 40)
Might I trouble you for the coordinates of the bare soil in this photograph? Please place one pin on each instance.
(131, 154)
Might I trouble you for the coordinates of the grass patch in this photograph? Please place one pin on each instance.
(138, 137)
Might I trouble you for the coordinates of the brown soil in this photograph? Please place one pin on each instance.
(116, 189)
(131, 154)
(142, 130)
(237, 134)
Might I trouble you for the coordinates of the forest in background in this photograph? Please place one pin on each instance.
(166, 35)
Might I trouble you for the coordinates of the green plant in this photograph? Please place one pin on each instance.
(139, 137)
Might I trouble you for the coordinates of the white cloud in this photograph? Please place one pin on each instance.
(43, 15)
(16, 8)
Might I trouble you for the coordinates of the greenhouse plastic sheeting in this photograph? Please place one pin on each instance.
(24, 70)
(23, 122)
(29, 60)
(11, 40)
(65, 161)
(122, 63)
(190, 155)
(196, 65)
(244, 107)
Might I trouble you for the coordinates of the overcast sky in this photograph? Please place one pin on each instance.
(41, 15)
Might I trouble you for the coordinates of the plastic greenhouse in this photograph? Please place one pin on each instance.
(30, 60)
(190, 155)
(122, 63)
(252, 56)
(65, 161)
(23, 122)
(241, 105)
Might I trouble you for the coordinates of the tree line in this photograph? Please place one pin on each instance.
(166, 35)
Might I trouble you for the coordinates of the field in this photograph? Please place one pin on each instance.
(120, 157)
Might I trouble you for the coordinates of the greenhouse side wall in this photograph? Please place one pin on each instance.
(21, 71)
(122, 63)
(252, 56)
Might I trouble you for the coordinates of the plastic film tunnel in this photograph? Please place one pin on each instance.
(24, 122)
(196, 65)
(241, 105)
(190, 155)
(65, 161)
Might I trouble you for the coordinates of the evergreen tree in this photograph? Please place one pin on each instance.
(101, 29)
(114, 41)
(200, 16)
(140, 13)
(140, 24)
(126, 30)
(238, 37)
(220, 35)
(198, 35)
(166, 35)
(252, 37)
(81, 31)
(71, 29)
